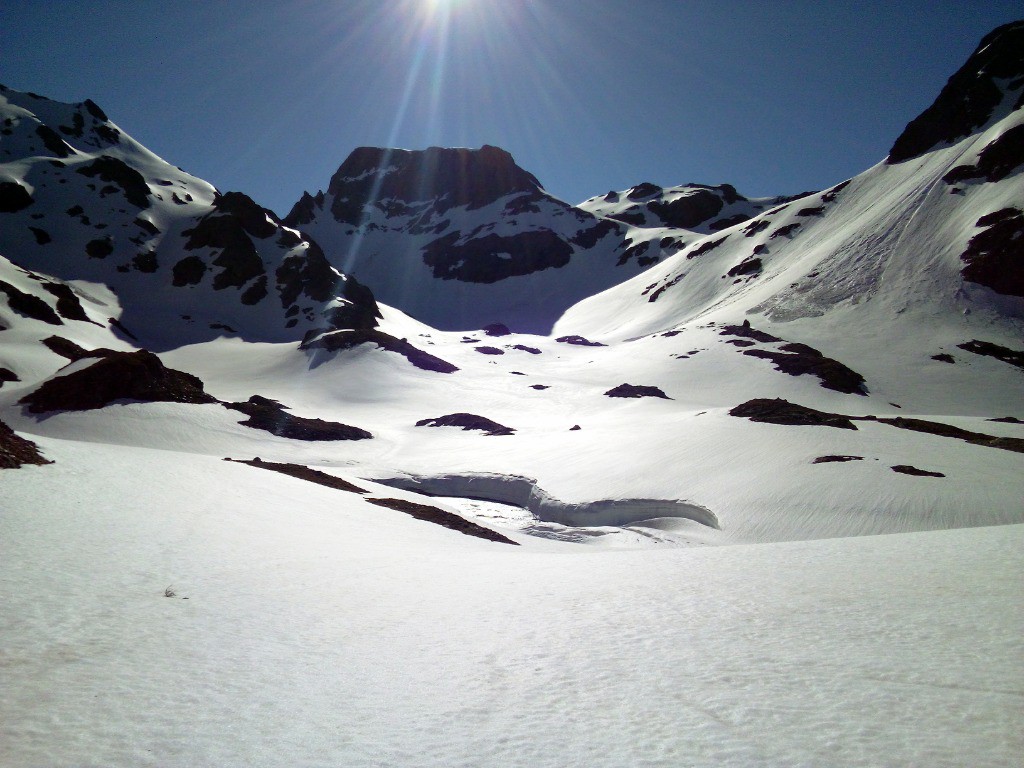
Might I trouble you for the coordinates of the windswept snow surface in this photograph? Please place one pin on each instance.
(310, 628)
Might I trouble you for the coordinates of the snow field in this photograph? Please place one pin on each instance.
(319, 630)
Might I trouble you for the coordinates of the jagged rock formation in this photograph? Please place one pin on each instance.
(185, 260)
(460, 238)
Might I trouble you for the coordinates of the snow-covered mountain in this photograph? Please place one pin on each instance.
(462, 238)
(410, 502)
(82, 200)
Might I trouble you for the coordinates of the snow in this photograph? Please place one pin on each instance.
(309, 628)
(690, 587)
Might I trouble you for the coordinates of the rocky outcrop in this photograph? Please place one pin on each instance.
(995, 257)
(467, 421)
(972, 95)
(139, 376)
(447, 177)
(271, 416)
(16, 451)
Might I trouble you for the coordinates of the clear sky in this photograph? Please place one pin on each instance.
(269, 96)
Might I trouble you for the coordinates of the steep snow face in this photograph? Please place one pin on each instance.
(81, 200)
(461, 238)
(897, 264)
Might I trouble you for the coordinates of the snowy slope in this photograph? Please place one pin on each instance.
(430, 545)
(308, 627)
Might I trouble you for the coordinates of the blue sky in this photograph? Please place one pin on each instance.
(588, 95)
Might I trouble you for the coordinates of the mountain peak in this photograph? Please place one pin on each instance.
(972, 96)
(450, 176)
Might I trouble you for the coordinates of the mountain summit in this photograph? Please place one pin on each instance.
(460, 238)
(452, 177)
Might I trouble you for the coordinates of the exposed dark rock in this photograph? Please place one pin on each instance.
(969, 99)
(1008, 420)
(636, 390)
(340, 340)
(779, 411)
(76, 128)
(800, 359)
(450, 177)
(540, 387)
(100, 248)
(301, 472)
(239, 261)
(16, 451)
(360, 312)
(270, 416)
(944, 357)
(996, 161)
(729, 221)
(706, 247)
(117, 376)
(467, 421)
(988, 349)
(746, 267)
(575, 428)
(634, 251)
(497, 329)
(67, 348)
(747, 332)
(6, 375)
(41, 235)
(946, 430)
(311, 275)
(443, 518)
(257, 221)
(493, 257)
(785, 231)
(817, 211)
(146, 262)
(489, 350)
(256, 292)
(906, 469)
(27, 305)
(644, 189)
(756, 226)
(53, 142)
(831, 195)
(115, 171)
(524, 348)
(68, 305)
(188, 271)
(633, 218)
(832, 458)
(93, 109)
(589, 236)
(13, 197)
(995, 256)
(579, 341)
(688, 211)
(740, 342)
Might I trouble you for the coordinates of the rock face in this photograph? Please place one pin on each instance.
(104, 209)
(461, 238)
(117, 376)
(16, 451)
(450, 178)
(972, 96)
